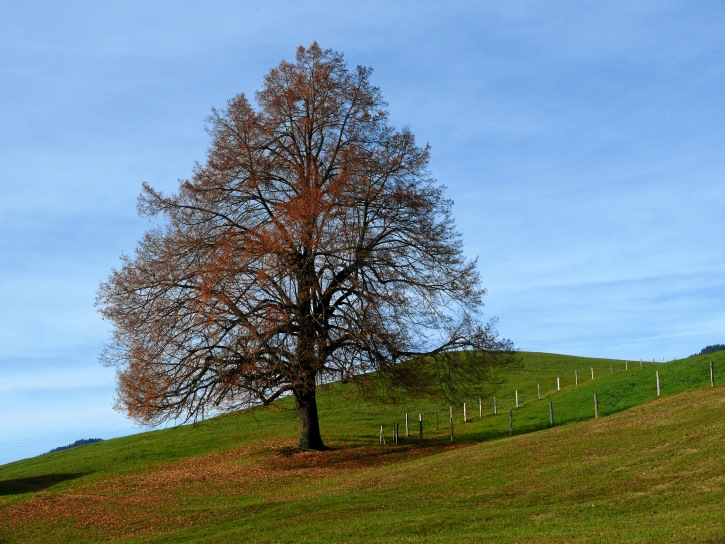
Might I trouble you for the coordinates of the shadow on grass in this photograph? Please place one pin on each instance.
(34, 484)
(344, 456)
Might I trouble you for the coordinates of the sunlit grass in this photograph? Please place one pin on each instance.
(652, 474)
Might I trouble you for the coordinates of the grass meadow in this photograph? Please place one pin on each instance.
(648, 470)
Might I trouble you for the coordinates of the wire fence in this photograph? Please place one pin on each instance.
(470, 412)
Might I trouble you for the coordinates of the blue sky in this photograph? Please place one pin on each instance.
(582, 143)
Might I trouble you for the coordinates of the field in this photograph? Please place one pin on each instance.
(648, 470)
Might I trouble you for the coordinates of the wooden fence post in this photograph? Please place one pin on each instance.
(407, 429)
(538, 390)
(592, 373)
(551, 413)
(382, 434)
(558, 384)
(576, 377)
(517, 398)
(480, 407)
(626, 365)
(657, 373)
(596, 406)
(495, 408)
(465, 416)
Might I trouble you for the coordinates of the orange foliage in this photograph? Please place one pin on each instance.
(312, 244)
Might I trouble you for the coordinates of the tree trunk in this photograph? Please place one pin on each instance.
(310, 438)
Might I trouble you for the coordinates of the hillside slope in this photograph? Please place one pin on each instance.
(647, 474)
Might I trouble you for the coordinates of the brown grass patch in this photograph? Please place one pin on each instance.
(163, 497)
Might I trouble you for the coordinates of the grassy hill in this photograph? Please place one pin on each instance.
(650, 471)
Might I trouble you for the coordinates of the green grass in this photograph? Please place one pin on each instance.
(648, 474)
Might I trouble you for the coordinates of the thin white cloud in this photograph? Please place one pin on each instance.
(582, 144)
(30, 376)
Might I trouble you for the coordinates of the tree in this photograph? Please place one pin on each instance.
(312, 244)
(707, 350)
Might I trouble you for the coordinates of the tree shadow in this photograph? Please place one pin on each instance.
(355, 456)
(34, 484)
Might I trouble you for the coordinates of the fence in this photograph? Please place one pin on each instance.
(656, 387)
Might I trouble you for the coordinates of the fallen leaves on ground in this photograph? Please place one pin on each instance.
(179, 494)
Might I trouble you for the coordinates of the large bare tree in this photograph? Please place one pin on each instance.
(312, 244)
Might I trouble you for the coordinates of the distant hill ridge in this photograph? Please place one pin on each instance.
(82, 442)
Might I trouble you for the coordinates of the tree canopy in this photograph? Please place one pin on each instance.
(707, 350)
(312, 244)
(81, 442)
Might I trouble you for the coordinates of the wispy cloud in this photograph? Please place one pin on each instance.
(582, 144)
